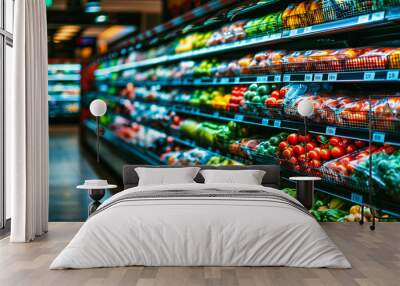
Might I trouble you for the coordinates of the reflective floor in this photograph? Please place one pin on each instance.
(70, 165)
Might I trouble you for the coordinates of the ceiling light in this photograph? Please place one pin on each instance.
(93, 6)
(101, 19)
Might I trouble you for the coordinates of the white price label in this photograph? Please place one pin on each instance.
(378, 16)
(308, 77)
(197, 81)
(369, 75)
(275, 36)
(293, 32)
(318, 77)
(262, 79)
(392, 75)
(237, 79)
(277, 78)
(216, 113)
(378, 137)
(286, 77)
(239, 117)
(363, 19)
(277, 123)
(224, 80)
(357, 198)
(330, 130)
(332, 76)
(308, 29)
(215, 80)
(264, 121)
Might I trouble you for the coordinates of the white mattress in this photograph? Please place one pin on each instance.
(200, 231)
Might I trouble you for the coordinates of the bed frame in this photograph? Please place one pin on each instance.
(271, 177)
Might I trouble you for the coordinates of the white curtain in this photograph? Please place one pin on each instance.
(27, 124)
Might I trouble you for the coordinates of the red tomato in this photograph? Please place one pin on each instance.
(275, 94)
(345, 161)
(302, 158)
(337, 152)
(350, 148)
(279, 102)
(325, 154)
(293, 139)
(342, 169)
(313, 155)
(282, 92)
(287, 153)
(334, 140)
(270, 101)
(283, 145)
(297, 168)
(303, 138)
(293, 160)
(311, 145)
(315, 164)
(298, 150)
(344, 142)
(359, 143)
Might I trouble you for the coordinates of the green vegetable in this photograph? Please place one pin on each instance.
(274, 140)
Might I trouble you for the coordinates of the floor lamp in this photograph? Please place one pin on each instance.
(98, 108)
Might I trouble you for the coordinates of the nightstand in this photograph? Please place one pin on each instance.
(305, 190)
(96, 190)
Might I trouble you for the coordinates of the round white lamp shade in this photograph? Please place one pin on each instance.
(305, 108)
(98, 107)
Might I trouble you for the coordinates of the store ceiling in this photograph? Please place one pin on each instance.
(71, 26)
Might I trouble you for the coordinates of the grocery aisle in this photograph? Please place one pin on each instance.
(70, 165)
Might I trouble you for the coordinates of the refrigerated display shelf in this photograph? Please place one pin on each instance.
(136, 151)
(64, 77)
(355, 76)
(392, 138)
(339, 26)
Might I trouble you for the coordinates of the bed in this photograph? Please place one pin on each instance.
(197, 224)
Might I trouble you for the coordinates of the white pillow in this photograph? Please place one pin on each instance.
(166, 176)
(248, 177)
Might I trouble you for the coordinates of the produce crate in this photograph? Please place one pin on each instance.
(259, 158)
(335, 11)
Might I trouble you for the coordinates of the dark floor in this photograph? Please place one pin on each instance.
(70, 165)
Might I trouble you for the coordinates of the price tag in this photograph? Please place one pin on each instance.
(378, 16)
(357, 198)
(277, 123)
(237, 79)
(286, 77)
(318, 77)
(239, 117)
(363, 19)
(308, 29)
(330, 130)
(275, 36)
(262, 79)
(307, 53)
(293, 32)
(369, 75)
(215, 80)
(197, 81)
(378, 137)
(224, 80)
(277, 78)
(392, 75)
(216, 113)
(308, 77)
(332, 76)
(264, 121)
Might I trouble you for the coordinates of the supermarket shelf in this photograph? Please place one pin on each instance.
(198, 12)
(356, 76)
(65, 67)
(348, 24)
(64, 77)
(64, 98)
(289, 125)
(140, 153)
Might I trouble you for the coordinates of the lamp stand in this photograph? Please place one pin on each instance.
(98, 139)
